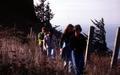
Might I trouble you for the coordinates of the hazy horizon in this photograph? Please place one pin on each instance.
(82, 11)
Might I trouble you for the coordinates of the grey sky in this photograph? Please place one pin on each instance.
(81, 11)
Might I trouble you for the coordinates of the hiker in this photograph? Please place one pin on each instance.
(41, 37)
(49, 44)
(65, 49)
(78, 46)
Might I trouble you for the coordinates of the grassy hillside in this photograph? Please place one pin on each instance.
(18, 58)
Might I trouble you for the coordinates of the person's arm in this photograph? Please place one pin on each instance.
(55, 41)
(39, 35)
(72, 42)
(44, 43)
(38, 39)
(61, 44)
(62, 41)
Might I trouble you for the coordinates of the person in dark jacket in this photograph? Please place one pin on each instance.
(78, 45)
(49, 44)
(65, 46)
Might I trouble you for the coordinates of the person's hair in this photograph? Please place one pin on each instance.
(78, 27)
(69, 26)
(44, 28)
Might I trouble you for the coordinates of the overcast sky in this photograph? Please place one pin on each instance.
(81, 11)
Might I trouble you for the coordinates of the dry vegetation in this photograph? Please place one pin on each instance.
(100, 65)
(17, 58)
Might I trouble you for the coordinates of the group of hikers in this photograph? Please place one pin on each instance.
(72, 47)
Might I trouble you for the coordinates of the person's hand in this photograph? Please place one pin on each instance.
(44, 48)
(61, 51)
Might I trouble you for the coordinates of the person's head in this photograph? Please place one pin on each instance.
(78, 29)
(44, 29)
(49, 32)
(69, 29)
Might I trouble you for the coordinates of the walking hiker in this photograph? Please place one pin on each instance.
(65, 46)
(49, 44)
(78, 46)
(41, 37)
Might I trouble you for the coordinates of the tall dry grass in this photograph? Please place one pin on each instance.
(18, 58)
(100, 65)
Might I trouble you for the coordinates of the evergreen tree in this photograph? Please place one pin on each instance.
(44, 13)
(100, 36)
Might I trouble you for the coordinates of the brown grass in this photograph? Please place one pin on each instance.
(17, 58)
(100, 65)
